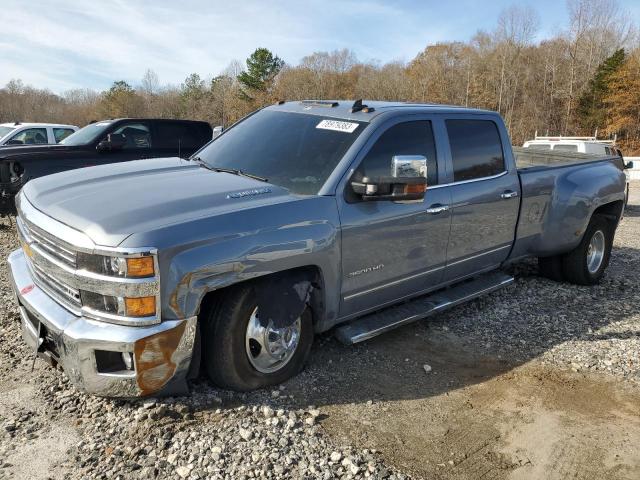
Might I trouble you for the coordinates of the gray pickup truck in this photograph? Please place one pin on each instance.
(301, 218)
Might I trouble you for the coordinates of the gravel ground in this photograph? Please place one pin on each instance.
(320, 424)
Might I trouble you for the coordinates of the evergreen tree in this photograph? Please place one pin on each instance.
(121, 100)
(262, 67)
(591, 107)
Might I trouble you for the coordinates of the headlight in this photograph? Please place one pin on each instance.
(122, 306)
(131, 267)
(129, 295)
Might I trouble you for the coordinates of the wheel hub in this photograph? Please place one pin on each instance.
(268, 348)
(595, 251)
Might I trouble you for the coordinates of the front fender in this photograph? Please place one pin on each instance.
(217, 252)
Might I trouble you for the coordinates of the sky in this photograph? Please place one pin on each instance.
(66, 44)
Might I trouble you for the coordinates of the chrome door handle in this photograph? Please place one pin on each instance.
(435, 209)
(509, 194)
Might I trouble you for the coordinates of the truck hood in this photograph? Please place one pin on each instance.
(111, 202)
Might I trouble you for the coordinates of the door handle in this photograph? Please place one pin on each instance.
(437, 208)
(508, 194)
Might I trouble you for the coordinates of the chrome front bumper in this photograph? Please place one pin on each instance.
(161, 353)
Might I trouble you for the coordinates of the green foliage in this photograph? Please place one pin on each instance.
(193, 87)
(262, 67)
(591, 106)
(121, 100)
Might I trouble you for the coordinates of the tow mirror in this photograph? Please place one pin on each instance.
(114, 141)
(407, 181)
(217, 131)
(628, 165)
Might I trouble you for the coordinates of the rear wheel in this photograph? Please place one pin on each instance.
(585, 265)
(240, 353)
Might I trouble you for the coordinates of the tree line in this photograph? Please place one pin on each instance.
(585, 78)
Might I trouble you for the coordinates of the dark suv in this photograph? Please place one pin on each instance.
(108, 141)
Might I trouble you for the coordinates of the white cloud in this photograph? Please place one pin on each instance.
(73, 43)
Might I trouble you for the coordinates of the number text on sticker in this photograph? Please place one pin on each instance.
(338, 126)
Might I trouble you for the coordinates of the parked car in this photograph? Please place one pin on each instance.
(34, 133)
(301, 218)
(108, 141)
(574, 144)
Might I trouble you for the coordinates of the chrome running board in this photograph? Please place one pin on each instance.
(374, 324)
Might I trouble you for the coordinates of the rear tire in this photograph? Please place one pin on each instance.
(585, 265)
(225, 344)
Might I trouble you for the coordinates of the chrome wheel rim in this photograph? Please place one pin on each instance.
(268, 348)
(595, 252)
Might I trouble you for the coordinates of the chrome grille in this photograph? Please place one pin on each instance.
(51, 245)
(67, 296)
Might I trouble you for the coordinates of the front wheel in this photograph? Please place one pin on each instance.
(585, 265)
(242, 353)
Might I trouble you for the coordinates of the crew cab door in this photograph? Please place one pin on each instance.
(179, 139)
(392, 250)
(484, 193)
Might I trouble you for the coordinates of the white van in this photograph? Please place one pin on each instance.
(34, 133)
(574, 144)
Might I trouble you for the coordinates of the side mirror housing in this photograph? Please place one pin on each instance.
(14, 141)
(408, 181)
(628, 165)
(217, 131)
(114, 141)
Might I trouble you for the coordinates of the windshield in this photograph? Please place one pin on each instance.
(292, 150)
(86, 134)
(5, 130)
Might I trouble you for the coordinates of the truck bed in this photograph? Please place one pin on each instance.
(529, 158)
(558, 193)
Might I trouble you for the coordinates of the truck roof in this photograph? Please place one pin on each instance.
(151, 120)
(342, 108)
(27, 124)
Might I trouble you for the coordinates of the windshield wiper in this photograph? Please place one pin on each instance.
(233, 171)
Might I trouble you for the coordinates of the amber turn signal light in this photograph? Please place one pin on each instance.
(140, 267)
(140, 307)
(415, 188)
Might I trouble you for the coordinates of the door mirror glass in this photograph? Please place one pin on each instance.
(407, 181)
(114, 141)
(409, 166)
(217, 131)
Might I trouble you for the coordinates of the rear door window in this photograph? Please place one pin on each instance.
(61, 133)
(566, 147)
(476, 149)
(176, 135)
(407, 138)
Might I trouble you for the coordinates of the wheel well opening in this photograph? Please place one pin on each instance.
(214, 298)
(611, 211)
(312, 272)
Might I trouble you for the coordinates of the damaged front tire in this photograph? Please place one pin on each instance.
(243, 351)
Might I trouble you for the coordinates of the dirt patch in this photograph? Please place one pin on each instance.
(529, 422)
(39, 444)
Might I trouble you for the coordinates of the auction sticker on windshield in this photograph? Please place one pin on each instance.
(338, 126)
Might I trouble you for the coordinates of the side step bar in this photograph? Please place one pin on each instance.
(374, 324)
